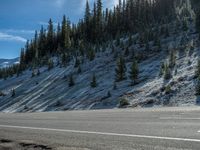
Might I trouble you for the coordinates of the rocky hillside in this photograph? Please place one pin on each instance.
(48, 90)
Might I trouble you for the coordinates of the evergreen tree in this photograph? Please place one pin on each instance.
(114, 86)
(198, 87)
(172, 59)
(162, 69)
(38, 72)
(120, 70)
(167, 72)
(22, 60)
(79, 69)
(87, 21)
(50, 37)
(13, 93)
(93, 83)
(50, 64)
(91, 54)
(65, 33)
(126, 53)
(134, 73)
(77, 63)
(71, 81)
(108, 94)
(197, 73)
(99, 19)
(198, 20)
(64, 59)
(33, 74)
(184, 25)
(130, 40)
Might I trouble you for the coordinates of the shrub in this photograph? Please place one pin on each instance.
(123, 102)
(2, 94)
(168, 89)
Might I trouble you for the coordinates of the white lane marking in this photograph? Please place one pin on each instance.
(103, 133)
(178, 118)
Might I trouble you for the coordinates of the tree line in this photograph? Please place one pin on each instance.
(68, 40)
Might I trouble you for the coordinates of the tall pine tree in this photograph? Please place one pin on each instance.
(120, 70)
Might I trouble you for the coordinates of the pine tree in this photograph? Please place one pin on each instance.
(71, 81)
(77, 63)
(184, 25)
(65, 38)
(198, 86)
(167, 72)
(91, 54)
(99, 19)
(120, 70)
(130, 40)
(33, 74)
(64, 59)
(197, 73)
(50, 37)
(162, 69)
(93, 83)
(114, 86)
(79, 70)
(22, 60)
(172, 59)
(50, 64)
(38, 72)
(133, 74)
(108, 94)
(87, 19)
(13, 93)
(126, 53)
(198, 20)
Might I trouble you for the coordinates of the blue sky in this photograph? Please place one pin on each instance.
(20, 18)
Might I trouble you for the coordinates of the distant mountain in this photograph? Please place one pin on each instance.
(8, 62)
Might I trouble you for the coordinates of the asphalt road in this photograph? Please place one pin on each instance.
(141, 129)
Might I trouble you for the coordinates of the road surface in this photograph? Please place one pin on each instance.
(125, 129)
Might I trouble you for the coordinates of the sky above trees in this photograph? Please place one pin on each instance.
(20, 18)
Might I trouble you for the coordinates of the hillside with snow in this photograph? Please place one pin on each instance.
(8, 62)
(49, 91)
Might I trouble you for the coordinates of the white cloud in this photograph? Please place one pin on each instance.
(18, 31)
(59, 3)
(9, 37)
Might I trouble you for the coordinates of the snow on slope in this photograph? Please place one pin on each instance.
(8, 62)
(50, 91)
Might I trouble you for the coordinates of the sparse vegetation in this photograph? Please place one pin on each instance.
(2, 94)
(93, 83)
(167, 72)
(168, 89)
(13, 93)
(120, 70)
(123, 103)
(134, 72)
(71, 81)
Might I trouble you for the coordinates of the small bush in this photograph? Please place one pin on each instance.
(2, 94)
(168, 89)
(108, 94)
(167, 73)
(123, 102)
(13, 93)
